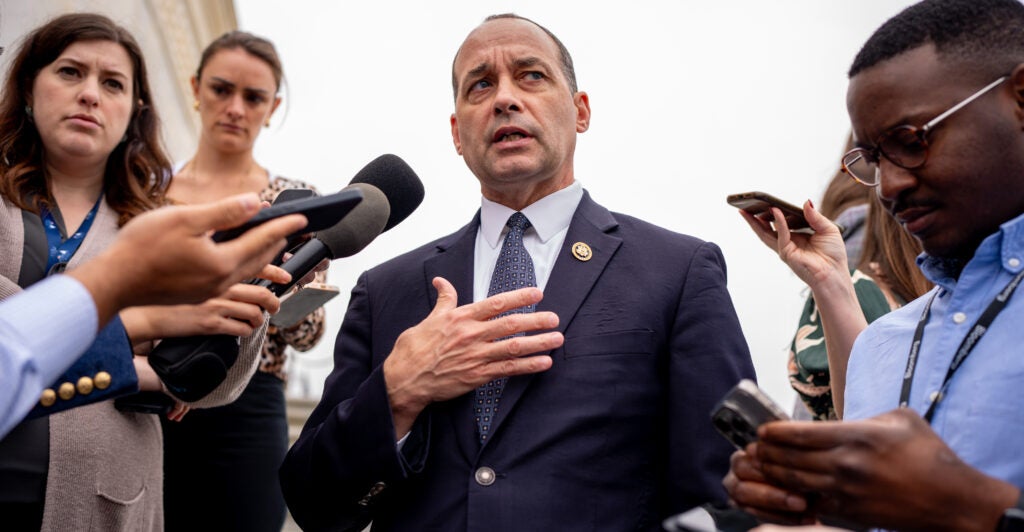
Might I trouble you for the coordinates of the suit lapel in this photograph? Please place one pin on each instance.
(571, 281)
(454, 262)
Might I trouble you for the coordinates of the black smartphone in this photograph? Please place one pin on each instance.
(299, 304)
(760, 203)
(742, 410)
(321, 212)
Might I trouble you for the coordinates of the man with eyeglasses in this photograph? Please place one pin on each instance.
(936, 388)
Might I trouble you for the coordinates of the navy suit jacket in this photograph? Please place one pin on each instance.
(615, 436)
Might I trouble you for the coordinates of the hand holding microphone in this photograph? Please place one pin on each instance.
(192, 367)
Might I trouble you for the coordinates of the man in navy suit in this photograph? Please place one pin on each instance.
(601, 420)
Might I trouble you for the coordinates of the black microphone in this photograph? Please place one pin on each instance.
(397, 181)
(346, 238)
(391, 190)
(192, 367)
(286, 195)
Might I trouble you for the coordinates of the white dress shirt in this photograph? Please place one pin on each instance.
(549, 222)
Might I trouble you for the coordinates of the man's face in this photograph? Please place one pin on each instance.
(973, 178)
(516, 119)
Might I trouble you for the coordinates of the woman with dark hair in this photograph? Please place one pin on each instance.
(221, 464)
(79, 157)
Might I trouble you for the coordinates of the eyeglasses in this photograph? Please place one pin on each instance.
(905, 146)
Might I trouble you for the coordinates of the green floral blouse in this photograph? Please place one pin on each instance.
(808, 359)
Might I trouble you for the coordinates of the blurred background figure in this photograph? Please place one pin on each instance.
(221, 463)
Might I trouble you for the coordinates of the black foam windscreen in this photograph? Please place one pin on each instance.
(397, 181)
(357, 229)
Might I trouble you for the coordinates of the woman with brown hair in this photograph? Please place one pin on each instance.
(79, 157)
(221, 464)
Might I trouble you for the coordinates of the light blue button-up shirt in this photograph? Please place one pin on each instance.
(981, 416)
(43, 330)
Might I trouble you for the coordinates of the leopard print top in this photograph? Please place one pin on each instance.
(304, 335)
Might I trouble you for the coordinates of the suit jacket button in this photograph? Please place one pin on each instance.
(48, 397)
(485, 476)
(374, 491)
(102, 380)
(84, 386)
(66, 391)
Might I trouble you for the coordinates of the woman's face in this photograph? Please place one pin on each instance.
(82, 102)
(237, 94)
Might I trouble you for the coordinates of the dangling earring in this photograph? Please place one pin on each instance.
(28, 111)
(267, 123)
(195, 105)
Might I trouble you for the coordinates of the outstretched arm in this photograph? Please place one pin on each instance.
(165, 256)
(819, 260)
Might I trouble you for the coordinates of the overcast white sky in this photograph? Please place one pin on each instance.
(691, 101)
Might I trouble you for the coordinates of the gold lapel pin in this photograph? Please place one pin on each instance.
(582, 251)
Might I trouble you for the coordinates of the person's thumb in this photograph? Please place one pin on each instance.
(447, 297)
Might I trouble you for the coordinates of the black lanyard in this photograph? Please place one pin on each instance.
(977, 331)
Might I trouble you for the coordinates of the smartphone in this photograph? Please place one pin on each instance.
(742, 410)
(760, 203)
(299, 304)
(321, 212)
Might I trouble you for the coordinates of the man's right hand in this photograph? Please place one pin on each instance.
(453, 350)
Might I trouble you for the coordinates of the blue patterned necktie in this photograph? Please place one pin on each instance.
(513, 270)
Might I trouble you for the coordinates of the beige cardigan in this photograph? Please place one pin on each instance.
(106, 466)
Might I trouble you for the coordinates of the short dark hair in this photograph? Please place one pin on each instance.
(253, 45)
(135, 169)
(988, 34)
(568, 70)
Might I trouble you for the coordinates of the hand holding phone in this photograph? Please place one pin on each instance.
(738, 415)
(760, 203)
(297, 305)
(321, 212)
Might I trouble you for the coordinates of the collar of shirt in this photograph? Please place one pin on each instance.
(549, 219)
(548, 215)
(1005, 246)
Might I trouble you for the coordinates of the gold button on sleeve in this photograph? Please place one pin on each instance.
(48, 397)
(102, 380)
(66, 391)
(84, 386)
